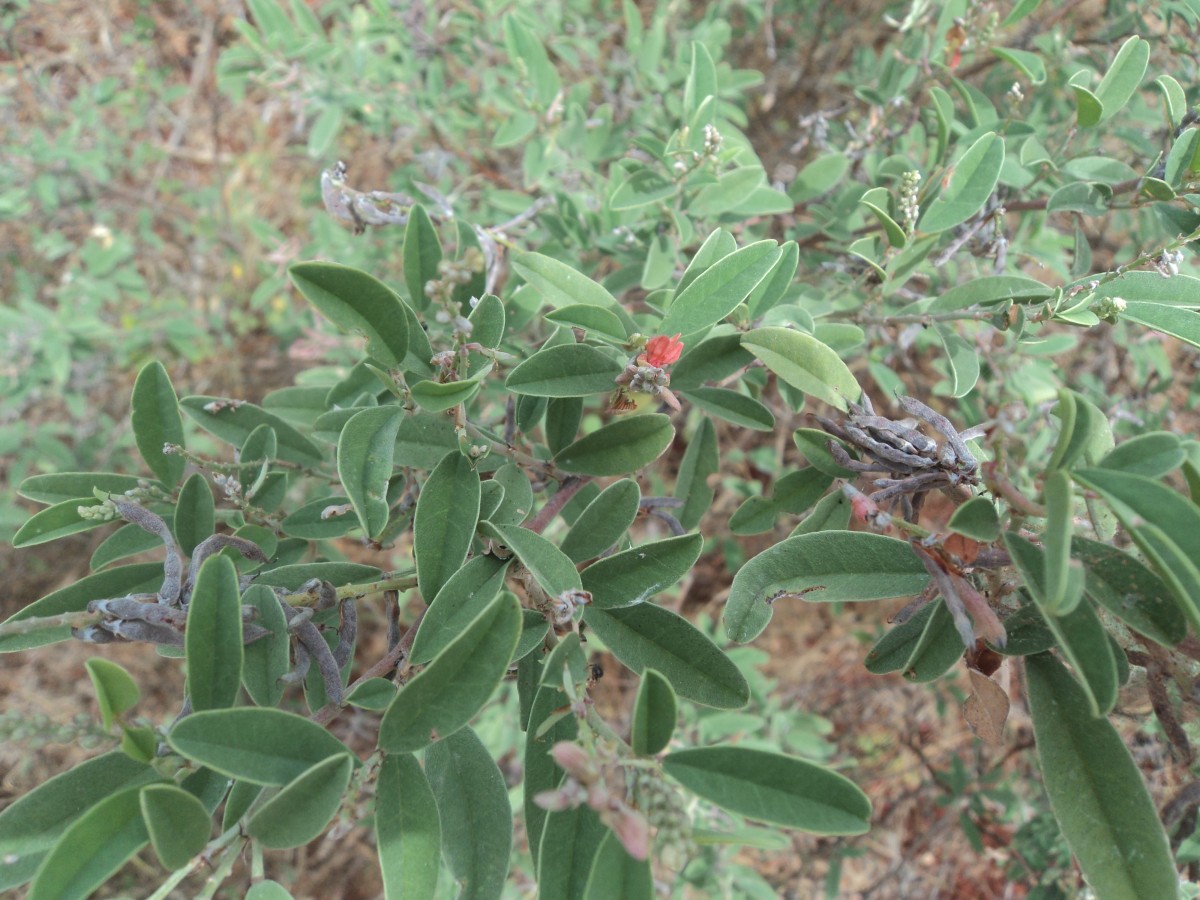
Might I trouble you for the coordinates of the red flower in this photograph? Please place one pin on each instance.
(661, 351)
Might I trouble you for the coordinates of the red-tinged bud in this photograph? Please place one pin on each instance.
(574, 760)
(633, 831)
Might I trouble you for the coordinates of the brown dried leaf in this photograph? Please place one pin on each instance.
(986, 709)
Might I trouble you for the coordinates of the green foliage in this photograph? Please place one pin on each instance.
(554, 371)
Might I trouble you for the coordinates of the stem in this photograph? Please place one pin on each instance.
(568, 489)
(80, 619)
(217, 845)
(353, 591)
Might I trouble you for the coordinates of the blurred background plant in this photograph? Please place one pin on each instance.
(163, 163)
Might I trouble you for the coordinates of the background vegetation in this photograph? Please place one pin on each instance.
(164, 163)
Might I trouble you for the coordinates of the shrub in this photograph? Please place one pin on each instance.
(543, 398)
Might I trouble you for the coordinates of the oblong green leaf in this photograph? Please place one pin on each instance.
(805, 363)
(450, 690)
(139, 578)
(976, 519)
(700, 460)
(773, 788)
(60, 486)
(374, 693)
(570, 839)
(1130, 591)
(408, 833)
(156, 421)
(32, 824)
(301, 810)
(213, 638)
(95, 846)
(444, 524)
(1175, 321)
(325, 517)
(972, 180)
(603, 521)
(793, 494)
(195, 513)
(1079, 634)
(618, 448)
(116, 691)
(359, 303)
(567, 370)
(233, 420)
(560, 285)
(1123, 77)
(938, 648)
(1064, 579)
(422, 252)
(472, 802)
(436, 396)
(892, 652)
(57, 521)
(732, 406)
(618, 876)
(649, 636)
(267, 659)
(713, 359)
(365, 453)
(1152, 454)
(1096, 791)
(177, 822)
(336, 573)
(990, 289)
(552, 568)
(269, 889)
(262, 746)
(654, 712)
(466, 594)
(593, 319)
(636, 575)
(720, 289)
(823, 566)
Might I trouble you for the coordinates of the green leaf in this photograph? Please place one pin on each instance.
(551, 567)
(720, 289)
(1088, 108)
(466, 594)
(892, 652)
(445, 695)
(654, 712)
(1178, 323)
(793, 494)
(364, 459)
(529, 57)
(116, 691)
(972, 180)
(773, 788)
(195, 513)
(32, 824)
(570, 839)
(963, 361)
(518, 495)
(618, 448)
(643, 187)
(301, 810)
(1123, 77)
(177, 822)
(560, 285)
(990, 289)
(232, 421)
(60, 486)
(545, 726)
(408, 832)
(262, 746)
(358, 303)
(604, 521)
(813, 445)
(1153, 454)
(713, 359)
(700, 460)
(876, 200)
(444, 524)
(325, 517)
(436, 396)
(213, 637)
(618, 876)
(476, 820)
(374, 694)
(95, 846)
(1029, 64)
(422, 252)
(1080, 634)
(1097, 793)
(818, 177)
(267, 659)
(805, 363)
(1064, 578)
(1081, 197)
(774, 287)
(730, 190)
(336, 573)
(139, 578)
(977, 520)
(938, 648)
(57, 521)
(731, 406)
(635, 575)
(648, 636)
(701, 82)
(824, 566)
(1130, 591)
(156, 421)
(269, 889)
(568, 370)
(593, 319)
(1150, 287)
